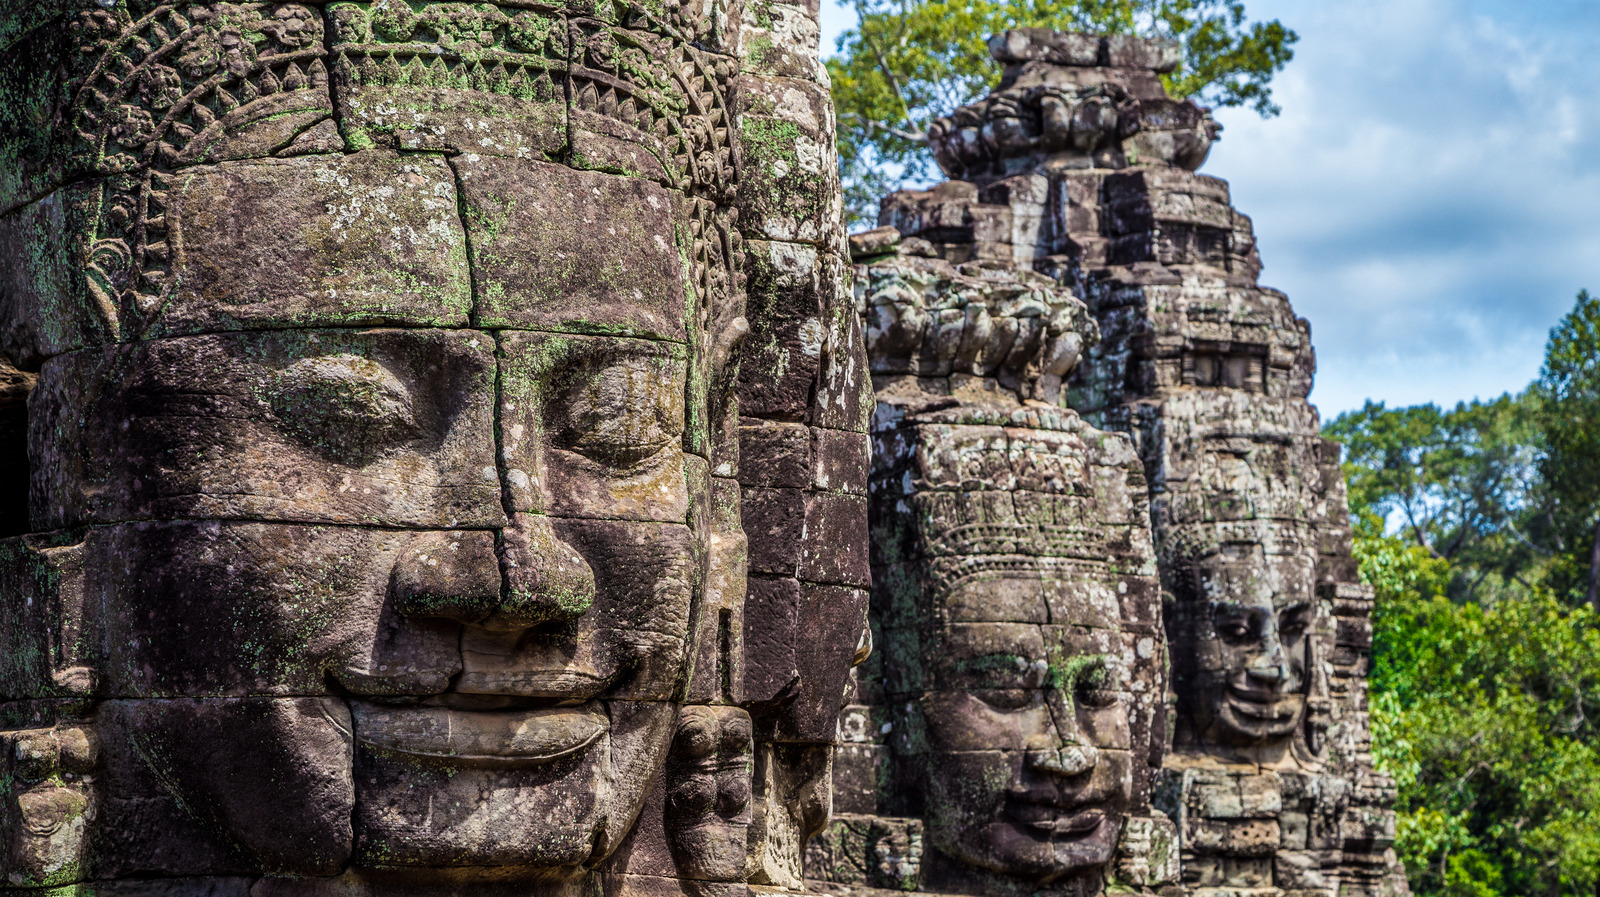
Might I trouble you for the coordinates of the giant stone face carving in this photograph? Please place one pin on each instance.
(385, 450)
(1027, 769)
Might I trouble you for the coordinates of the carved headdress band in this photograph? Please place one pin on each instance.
(928, 318)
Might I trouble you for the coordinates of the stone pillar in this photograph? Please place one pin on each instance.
(388, 369)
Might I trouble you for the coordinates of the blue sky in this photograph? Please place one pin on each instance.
(1430, 196)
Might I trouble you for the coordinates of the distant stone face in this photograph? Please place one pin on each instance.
(1242, 669)
(1010, 723)
(388, 367)
(1250, 769)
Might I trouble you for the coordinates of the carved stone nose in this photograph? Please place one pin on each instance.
(448, 575)
(1070, 760)
(546, 580)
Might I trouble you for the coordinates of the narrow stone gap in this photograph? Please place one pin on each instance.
(474, 322)
(473, 319)
(502, 464)
(725, 652)
(51, 190)
(15, 459)
(568, 151)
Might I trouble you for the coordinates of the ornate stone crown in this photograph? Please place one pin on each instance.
(928, 318)
(1073, 101)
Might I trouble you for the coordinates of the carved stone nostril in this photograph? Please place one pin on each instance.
(694, 796)
(733, 794)
(447, 575)
(1071, 760)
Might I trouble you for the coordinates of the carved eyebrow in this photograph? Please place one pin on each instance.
(1011, 663)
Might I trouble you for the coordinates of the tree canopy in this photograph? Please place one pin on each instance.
(1476, 526)
(1568, 411)
(909, 61)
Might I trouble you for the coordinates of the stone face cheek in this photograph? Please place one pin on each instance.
(379, 366)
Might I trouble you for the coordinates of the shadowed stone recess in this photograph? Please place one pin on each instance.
(374, 379)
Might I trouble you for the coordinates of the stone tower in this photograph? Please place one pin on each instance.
(1079, 170)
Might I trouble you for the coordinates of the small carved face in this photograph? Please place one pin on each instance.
(708, 792)
(1242, 648)
(1028, 746)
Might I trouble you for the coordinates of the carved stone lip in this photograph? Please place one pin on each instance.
(557, 683)
(502, 738)
(1262, 704)
(1076, 825)
(1055, 820)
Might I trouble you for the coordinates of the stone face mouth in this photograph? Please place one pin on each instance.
(1058, 821)
(1078, 824)
(1264, 705)
(466, 737)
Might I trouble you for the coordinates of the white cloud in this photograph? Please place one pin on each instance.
(1428, 198)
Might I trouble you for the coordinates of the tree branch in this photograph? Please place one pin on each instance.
(914, 136)
(1511, 525)
(883, 66)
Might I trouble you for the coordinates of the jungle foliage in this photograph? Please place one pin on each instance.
(1477, 526)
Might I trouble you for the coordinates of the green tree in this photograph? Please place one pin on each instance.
(1463, 485)
(1486, 718)
(1569, 413)
(1486, 700)
(909, 61)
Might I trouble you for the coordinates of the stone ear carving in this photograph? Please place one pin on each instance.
(708, 790)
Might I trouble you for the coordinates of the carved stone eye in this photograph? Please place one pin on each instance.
(346, 407)
(1098, 698)
(619, 415)
(733, 792)
(694, 795)
(1009, 699)
(697, 735)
